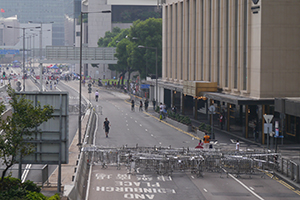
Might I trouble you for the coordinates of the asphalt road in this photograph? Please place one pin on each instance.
(132, 128)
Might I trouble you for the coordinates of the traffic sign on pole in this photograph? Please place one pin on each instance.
(268, 118)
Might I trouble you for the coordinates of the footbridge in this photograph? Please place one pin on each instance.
(90, 55)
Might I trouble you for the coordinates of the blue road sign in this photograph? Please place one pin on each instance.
(9, 51)
(145, 86)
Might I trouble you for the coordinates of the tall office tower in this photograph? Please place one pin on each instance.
(60, 12)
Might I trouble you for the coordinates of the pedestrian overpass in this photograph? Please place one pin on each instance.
(90, 55)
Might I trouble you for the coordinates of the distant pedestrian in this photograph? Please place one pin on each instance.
(132, 105)
(255, 130)
(200, 145)
(221, 118)
(146, 105)
(141, 106)
(174, 109)
(237, 145)
(206, 139)
(106, 126)
(153, 103)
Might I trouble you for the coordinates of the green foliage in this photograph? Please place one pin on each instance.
(104, 41)
(13, 189)
(131, 58)
(202, 126)
(180, 118)
(54, 197)
(31, 186)
(35, 196)
(19, 128)
(208, 128)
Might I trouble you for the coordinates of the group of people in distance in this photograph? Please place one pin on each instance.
(206, 143)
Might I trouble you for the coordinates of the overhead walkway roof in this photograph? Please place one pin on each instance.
(90, 55)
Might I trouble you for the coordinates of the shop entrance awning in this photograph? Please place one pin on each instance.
(237, 100)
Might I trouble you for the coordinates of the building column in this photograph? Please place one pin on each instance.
(262, 124)
(195, 108)
(228, 117)
(182, 103)
(246, 121)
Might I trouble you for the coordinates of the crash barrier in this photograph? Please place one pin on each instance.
(290, 169)
(78, 190)
(167, 160)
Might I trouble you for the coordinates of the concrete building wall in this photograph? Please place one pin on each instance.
(223, 41)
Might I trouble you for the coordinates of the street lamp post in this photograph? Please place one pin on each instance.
(80, 76)
(41, 51)
(156, 73)
(23, 49)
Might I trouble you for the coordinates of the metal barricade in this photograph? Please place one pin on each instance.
(167, 160)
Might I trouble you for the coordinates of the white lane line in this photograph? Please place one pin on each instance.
(205, 190)
(192, 177)
(146, 130)
(140, 124)
(251, 188)
(135, 121)
(152, 135)
(247, 188)
(126, 124)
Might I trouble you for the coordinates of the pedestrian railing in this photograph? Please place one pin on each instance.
(290, 169)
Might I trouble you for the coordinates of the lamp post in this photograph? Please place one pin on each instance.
(41, 50)
(80, 71)
(23, 49)
(156, 74)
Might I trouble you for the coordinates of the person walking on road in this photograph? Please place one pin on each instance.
(206, 139)
(146, 105)
(132, 105)
(106, 126)
(141, 106)
(96, 95)
(154, 103)
(237, 145)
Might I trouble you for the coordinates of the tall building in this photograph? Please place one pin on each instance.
(238, 55)
(59, 12)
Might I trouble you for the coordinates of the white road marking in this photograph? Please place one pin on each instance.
(192, 177)
(247, 188)
(140, 124)
(152, 135)
(126, 124)
(135, 121)
(205, 190)
(146, 130)
(251, 188)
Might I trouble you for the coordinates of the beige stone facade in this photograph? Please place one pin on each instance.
(255, 55)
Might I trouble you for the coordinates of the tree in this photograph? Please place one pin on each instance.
(147, 33)
(19, 128)
(104, 41)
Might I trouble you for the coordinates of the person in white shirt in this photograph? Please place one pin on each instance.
(96, 95)
(237, 146)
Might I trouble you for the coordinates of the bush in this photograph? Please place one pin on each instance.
(30, 186)
(186, 120)
(35, 196)
(13, 189)
(202, 126)
(208, 128)
(55, 197)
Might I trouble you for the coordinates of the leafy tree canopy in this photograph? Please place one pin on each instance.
(20, 125)
(147, 33)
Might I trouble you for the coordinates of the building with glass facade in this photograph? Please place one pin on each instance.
(60, 12)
